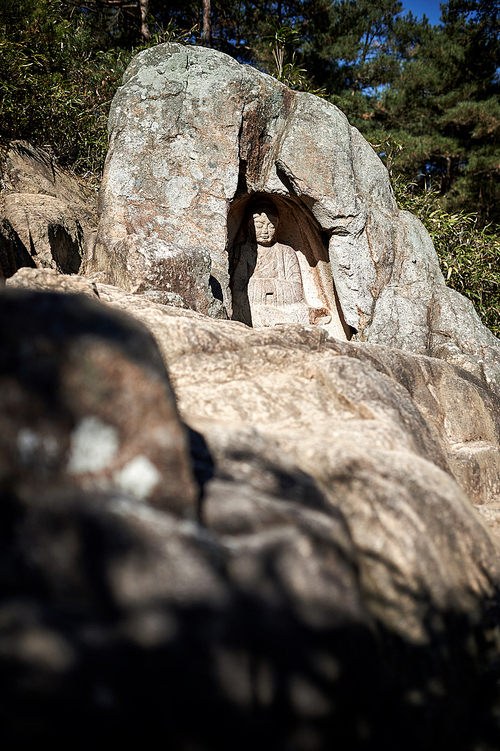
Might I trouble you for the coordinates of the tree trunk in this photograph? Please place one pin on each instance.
(207, 25)
(144, 5)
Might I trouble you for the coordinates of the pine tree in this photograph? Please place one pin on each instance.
(350, 44)
(443, 109)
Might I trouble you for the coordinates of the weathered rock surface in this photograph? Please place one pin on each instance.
(48, 230)
(165, 273)
(332, 585)
(194, 135)
(51, 281)
(299, 550)
(355, 418)
(86, 404)
(9, 248)
(54, 215)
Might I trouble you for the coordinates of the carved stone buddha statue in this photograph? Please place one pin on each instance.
(267, 282)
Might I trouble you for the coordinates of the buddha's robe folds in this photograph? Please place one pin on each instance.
(271, 278)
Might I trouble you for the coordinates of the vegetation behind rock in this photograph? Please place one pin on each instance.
(426, 97)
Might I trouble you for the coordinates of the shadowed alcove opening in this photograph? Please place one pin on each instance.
(279, 266)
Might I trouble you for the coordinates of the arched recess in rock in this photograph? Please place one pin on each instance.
(297, 230)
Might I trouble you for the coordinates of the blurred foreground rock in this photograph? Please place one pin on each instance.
(86, 403)
(329, 582)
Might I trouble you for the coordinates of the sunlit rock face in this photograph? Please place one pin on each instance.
(196, 139)
(288, 541)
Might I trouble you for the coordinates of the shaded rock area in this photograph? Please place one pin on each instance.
(10, 250)
(50, 218)
(196, 138)
(48, 229)
(86, 403)
(327, 581)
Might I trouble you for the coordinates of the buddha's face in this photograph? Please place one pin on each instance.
(265, 225)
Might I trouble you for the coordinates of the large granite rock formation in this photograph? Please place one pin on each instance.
(195, 138)
(290, 541)
(333, 586)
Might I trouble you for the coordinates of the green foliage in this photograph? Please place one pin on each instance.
(469, 256)
(58, 77)
(444, 106)
(55, 86)
(286, 68)
(284, 36)
(349, 44)
(433, 89)
(172, 33)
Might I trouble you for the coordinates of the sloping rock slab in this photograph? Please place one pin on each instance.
(336, 588)
(31, 170)
(50, 280)
(48, 230)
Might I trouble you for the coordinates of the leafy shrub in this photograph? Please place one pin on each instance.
(284, 66)
(57, 82)
(469, 257)
(55, 88)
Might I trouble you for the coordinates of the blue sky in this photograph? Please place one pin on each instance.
(428, 7)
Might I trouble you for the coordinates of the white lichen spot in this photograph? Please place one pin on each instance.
(45, 649)
(27, 443)
(138, 477)
(93, 446)
(50, 445)
(30, 443)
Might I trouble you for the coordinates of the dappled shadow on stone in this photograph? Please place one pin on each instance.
(203, 464)
(85, 400)
(97, 639)
(340, 602)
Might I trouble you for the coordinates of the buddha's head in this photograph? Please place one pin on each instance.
(265, 222)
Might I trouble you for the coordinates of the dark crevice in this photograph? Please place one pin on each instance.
(203, 466)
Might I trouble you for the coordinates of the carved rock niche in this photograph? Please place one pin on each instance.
(279, 267)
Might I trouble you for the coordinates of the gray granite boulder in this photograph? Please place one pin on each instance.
(196, 137)
(49, 231)
(321, 580)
